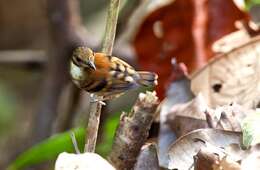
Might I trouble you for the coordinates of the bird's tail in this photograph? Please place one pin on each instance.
(147, 78)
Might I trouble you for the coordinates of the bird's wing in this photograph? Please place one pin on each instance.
(116, 87)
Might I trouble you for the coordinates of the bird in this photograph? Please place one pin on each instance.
(105, 75)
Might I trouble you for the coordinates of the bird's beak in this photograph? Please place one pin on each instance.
(92, 65)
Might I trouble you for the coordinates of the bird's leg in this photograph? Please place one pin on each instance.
(94, 99)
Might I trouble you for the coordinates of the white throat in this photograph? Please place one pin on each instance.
(76, 72)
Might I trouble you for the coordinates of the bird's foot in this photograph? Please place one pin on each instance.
(95, 99)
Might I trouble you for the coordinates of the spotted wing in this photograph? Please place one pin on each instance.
(122, 77)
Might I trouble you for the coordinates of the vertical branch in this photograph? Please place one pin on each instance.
(93, 125)
(110, 33)
(95, 108)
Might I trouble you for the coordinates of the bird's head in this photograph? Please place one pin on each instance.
(84, 57)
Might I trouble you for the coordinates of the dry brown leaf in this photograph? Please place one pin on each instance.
(177, 92)
(138, 16)
(187, 117)
(231, 41)
(227, 117)
(214, 159)
(226, 163)
(182, 29)
(250, 158)
(231, 77)
(205, 159)
(190, 116)
(182, 151)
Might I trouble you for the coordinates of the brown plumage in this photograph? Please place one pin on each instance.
(105, 75)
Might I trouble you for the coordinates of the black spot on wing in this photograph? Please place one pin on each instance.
(117, 67)
(102, 84)
(115, 74)
(123, 86)
(87, 85)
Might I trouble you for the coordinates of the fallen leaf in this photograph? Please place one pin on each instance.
(195, 114)
(231, 77)
(249, 158)
(204, 159)
(227, 117)
(231, 41)
(187, 117)
(182, 151)
(230, 158)
(213, 158)
(176, 30)
(226, 163)
(177, 92)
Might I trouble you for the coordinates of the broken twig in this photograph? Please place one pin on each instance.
(133, 131)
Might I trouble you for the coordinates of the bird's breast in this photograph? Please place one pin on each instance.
(76, 72)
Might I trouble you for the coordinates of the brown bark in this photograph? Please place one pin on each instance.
(133, 131)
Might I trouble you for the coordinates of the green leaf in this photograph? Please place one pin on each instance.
(250, 130)
(250, 3)
(49, 149)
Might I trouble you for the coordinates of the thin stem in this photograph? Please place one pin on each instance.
(110, 33)
(74, 142)
(95, 107)
(93, 125)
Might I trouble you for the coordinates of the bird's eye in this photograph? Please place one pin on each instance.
(78, 60)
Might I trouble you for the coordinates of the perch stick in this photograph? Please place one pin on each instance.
(95, 107)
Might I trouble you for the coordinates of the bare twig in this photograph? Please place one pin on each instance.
(110, 33)
(74, 142)
(93, 125)
(95, 108)
(133, 131)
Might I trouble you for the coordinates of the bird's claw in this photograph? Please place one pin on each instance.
(99, 101)
(95, 99)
